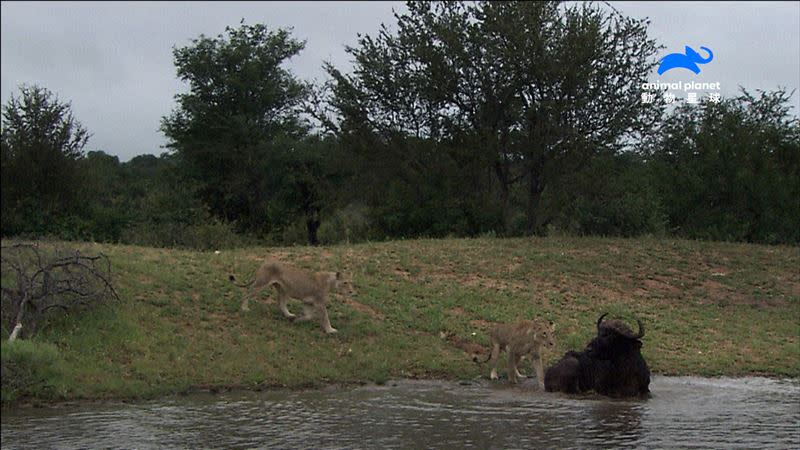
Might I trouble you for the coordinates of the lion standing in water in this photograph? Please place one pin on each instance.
(525, 337)
(309, 287)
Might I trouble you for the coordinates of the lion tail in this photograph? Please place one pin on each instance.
(233, 280)
(478, 361)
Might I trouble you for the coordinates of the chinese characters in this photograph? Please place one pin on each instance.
(670, 98)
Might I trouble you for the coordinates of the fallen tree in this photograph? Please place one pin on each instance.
(40, 281)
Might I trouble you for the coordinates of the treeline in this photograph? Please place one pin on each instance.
(503, 118)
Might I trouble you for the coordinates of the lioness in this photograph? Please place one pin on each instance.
(309, 287)
(521, 338)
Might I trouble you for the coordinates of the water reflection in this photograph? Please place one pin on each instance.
(683, 412)
(622, 419)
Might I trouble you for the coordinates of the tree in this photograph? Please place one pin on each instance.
(105, 185)
(309, 181)
(578, 69)
(612, 195)
(41, 144)
(426, 111)
(731, 170)
(240, 103)
(518, 91)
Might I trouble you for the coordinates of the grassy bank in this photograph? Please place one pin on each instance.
(421, 308)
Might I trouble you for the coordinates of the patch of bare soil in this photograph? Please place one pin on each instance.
(794, 288)
(468, 346)
(603, 292)
(472, 348)
(276, 254)
(221, 318)
(514, 264)
(362, 308)
(660, 286)
(718, 271)
(481, 324)
(457, 311)
(717, 292)
(402, 273)
(482, 281)
(476, 279)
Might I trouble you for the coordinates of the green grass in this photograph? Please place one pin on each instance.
(421, 308)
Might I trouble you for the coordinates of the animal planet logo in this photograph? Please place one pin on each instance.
(689, 60)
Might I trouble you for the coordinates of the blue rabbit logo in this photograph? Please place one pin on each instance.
(688, 61)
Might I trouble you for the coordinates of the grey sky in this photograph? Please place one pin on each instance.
(113, 61)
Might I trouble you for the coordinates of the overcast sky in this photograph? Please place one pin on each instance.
(113, 61)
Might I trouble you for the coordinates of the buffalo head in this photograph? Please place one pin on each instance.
(611, 364)
(614, 337)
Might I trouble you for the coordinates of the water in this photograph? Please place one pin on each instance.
(683, 412)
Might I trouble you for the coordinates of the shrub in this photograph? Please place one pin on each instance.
(210, 235)
(611, 196)
(30, 369)
(350, 224)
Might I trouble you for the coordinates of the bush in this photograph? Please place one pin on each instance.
(350, 224)
(30, 369)
(611, 196)
(293, 233)
(210, 235)
(731, 171)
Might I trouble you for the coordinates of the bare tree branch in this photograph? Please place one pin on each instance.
(48, 279)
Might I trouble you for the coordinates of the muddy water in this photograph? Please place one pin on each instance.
(683, 412)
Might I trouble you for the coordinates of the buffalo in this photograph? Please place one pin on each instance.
(611, 364)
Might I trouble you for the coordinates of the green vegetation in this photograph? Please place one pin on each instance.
(30, 369)
(420, 309)
(465, 119)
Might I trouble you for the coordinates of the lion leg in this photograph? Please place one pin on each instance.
(282, 300)
(518, 364)
(308, 313)
(513, 360)
(254, 290)
(324, 320)
(495, 357)
(536, 361)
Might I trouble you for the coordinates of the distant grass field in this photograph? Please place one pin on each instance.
(421, 309)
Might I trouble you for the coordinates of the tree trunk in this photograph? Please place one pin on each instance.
(534, 195)
(501, 170)
(23, 299)
(13, 336)
(312, 225)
